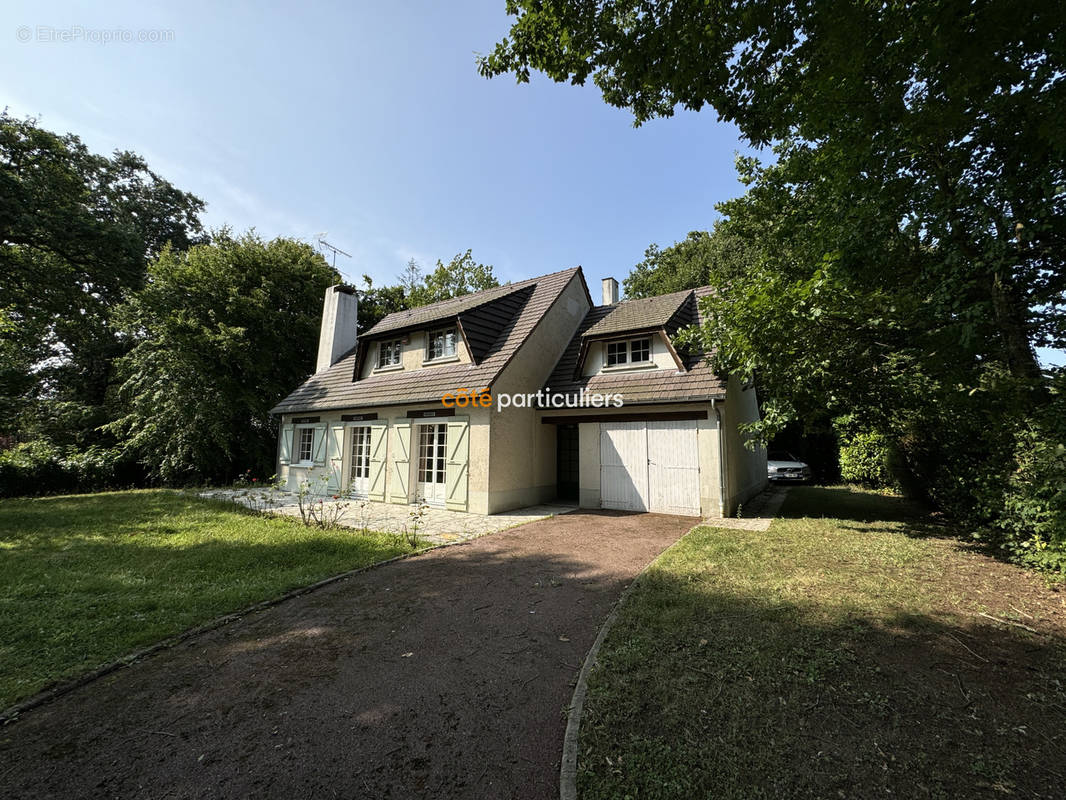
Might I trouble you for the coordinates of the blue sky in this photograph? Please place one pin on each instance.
(369, 122)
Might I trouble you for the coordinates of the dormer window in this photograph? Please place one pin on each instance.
(390, 353)
(441, 344)
(631, 351)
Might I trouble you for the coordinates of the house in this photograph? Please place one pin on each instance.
(519, 395)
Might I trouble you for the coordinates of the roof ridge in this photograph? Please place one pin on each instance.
(501, 291)
(653, 297)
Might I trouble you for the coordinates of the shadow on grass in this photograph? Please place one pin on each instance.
(909, 517)
(707, 692)
(444, 675)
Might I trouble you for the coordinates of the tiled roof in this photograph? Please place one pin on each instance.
(633, 315)
(437, 312)
(698, 382)
(527, 302)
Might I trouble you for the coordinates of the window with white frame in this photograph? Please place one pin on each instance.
(616, 353)
(389, 353)
(305, 442)
(631, 351)
(441, 344)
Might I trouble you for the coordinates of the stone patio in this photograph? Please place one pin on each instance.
(438, 525)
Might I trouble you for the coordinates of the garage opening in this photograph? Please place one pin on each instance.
(566, 467)
(650, 466)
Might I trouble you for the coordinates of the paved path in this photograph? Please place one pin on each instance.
(437, 525)
(757, 513)
(443, 675)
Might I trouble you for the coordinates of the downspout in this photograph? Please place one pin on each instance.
(721, 459)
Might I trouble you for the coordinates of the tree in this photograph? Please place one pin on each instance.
(686, 264)
(378, 302)
(76, 232)
(908, 242)
(940, 117)
(462, 275)
(221, 332)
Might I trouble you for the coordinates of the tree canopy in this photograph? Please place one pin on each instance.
(935, 122)
(221, 332)
(77, 230)
(462, 275)
(900, 255)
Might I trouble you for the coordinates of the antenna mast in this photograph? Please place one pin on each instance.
(323, 243)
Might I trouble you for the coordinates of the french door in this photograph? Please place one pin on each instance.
(359, 475)
(432, 457)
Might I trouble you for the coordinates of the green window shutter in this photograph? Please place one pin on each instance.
(318, 446)
(377, 462)
(285, 446)
(401, 463)
(457, 475)
(335, 454)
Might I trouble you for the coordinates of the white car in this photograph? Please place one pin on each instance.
(781, 465)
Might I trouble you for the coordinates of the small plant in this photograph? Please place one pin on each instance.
(364, 517)
(416, 520)
(245, 480)
(319, 507)
(253, 493)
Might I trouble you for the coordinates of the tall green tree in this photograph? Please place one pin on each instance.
(462, 275)
(376, 302)
(221, 332)
(76, 232)
(907, 243)
(939, 118)
(687, 264)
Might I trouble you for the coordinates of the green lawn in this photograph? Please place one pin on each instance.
(832, 656)
(85, 579)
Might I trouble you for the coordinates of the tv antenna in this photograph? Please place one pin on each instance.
(334, 250)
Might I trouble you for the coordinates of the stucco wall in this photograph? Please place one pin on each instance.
(589, 451)
(746, 473)
(412, 355)
(661, 358)
(291, 475)
(522, 468)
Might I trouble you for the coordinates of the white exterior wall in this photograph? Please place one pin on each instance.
(412, 355)
(522, 450)
(589, 451)
(746, 473)
(661, 358)
(335, 459)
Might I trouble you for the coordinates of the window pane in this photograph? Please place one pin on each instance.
(442, 343)
(640, 350)
(616, 353)
(307, 438)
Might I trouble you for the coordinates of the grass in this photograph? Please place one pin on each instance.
(842, 653)
(86, 579)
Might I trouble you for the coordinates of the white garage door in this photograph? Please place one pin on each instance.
(650, 466)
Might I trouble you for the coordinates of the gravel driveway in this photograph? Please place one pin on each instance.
(443, 675)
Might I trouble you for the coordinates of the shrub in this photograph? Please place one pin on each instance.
(865, 459)
(1031, 525)
(39, 467)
